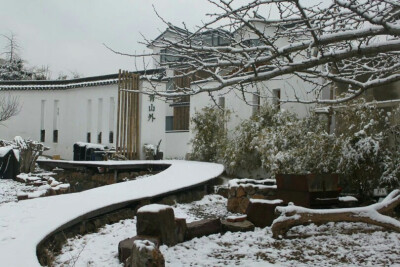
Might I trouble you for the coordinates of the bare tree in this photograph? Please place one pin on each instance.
(351, 43)
(12, 47)
(9, 107)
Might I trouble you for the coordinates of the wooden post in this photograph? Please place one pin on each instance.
(128, 115)
(137, 119)
(118, 111)
(124, 116)
(129, 124)
(131, 117)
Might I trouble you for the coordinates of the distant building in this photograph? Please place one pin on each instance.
(60, 113)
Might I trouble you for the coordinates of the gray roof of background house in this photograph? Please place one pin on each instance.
(72, 83)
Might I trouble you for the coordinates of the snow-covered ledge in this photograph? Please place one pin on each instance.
(23, 225)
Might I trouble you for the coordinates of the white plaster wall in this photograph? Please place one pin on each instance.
(152, 131)
(177, 145)
(72, 119)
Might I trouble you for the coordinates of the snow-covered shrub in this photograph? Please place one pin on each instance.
(365, 149)
(255, 140)
(29, 151)
(209, 140)
(370, 154)
(13, 70)
(298, 146)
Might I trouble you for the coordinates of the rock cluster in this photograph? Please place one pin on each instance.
(156, 224)
(242, 190)
(46, 185)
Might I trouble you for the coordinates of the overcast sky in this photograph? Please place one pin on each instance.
(68, 36)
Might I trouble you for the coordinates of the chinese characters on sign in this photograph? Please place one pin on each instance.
(152, 109)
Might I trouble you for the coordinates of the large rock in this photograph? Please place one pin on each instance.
(261, 211)
(157, 220)
(181, 228)
(241, 226)
(203, 228)
(145, 254)
(125, 246)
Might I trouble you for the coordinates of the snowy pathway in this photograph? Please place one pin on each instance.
(24, 224)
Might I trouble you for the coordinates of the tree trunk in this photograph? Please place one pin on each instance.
(291, 216)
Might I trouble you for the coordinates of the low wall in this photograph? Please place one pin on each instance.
(89, 223)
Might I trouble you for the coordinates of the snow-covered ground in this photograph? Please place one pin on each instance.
(333, 244)
(9, 189)
(24, 224)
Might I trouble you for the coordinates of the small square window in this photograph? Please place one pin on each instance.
(111, 137)
(42, 135)
(99, 138)
(55, 136)
(169, 123)
(88, 137)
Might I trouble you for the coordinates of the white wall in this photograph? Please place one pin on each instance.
(152, 131)
(177, 144)
(72, 116)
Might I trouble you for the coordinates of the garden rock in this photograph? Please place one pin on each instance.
(203, 228)
(157, 220)
(145, 254)
(181, 228)
(125, 246)
(242, 226)
(261, 211)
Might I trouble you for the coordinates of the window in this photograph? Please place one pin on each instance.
(43, 135)
(181, 118)
(56, 114)
(99, 119)
(111, 137)
(111, 121)
(89, 116)
(166, 55)
(169, 123)
(55, 136)
(42, 129)
(252, 42)
(181, 105)
(88, 137)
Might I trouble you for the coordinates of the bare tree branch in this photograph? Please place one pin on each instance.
(354, 43)
(9, 107)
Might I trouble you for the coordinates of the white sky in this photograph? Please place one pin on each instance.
(68, 35)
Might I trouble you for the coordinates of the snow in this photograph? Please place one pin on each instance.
(153, 208)
(10, 188)
(90, 145)
(24, 224)
(266, 201)
(252, 183)
(331, 244)
(4, 150)
(347, 199)
(236, 217)
(20, 142)
(144, 244)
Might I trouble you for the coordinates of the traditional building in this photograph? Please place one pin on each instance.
(98, 109)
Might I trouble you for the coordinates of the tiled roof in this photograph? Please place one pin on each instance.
(69, 84)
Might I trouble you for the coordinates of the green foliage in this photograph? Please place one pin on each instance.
(370, 154)
(365, 149)
(209, 141)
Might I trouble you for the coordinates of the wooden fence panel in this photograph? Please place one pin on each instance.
(127, 141)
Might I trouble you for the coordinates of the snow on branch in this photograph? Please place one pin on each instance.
(354, 43)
